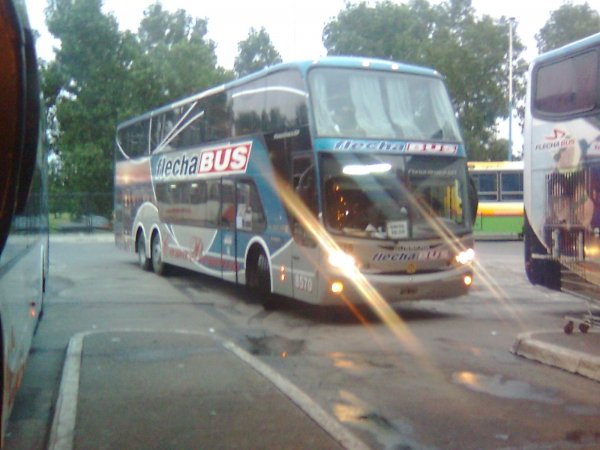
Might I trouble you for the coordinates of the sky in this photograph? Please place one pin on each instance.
(295, 27)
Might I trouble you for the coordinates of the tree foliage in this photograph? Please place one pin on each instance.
(176, 57)
(255, 52)
(470, 51)
(101, 76)
(567, 24)
(83, 87)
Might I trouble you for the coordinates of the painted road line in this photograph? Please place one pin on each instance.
(302, 400)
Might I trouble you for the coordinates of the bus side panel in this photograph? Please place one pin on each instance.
(133, 191)
(564, 192)
(559, 151)
(23, 270)
(499, 219)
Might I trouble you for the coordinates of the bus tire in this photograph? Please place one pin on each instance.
(158, 265)
(539, 271)
(259, 279)
(143, 260)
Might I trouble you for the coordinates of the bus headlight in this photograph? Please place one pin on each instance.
(466, 256)
(341, 260)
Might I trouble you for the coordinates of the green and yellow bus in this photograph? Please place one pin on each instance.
(500, 188)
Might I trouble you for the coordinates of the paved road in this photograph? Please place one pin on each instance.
(446, 380)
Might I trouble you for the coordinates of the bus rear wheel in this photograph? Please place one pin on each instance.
(158, 265)
(544, 272)
(143, 259)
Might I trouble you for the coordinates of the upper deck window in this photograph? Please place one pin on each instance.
(358, 103)
(568, 86)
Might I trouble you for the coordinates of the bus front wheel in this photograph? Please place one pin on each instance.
(259, 279)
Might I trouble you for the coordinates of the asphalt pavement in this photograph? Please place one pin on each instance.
(144, 389)
(154, 389)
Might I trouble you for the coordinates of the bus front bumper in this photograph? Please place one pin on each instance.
(398, 288)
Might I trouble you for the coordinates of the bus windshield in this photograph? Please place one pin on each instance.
(394, 197)
(371, 104)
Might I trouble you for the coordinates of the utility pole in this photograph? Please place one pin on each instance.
(511, 24)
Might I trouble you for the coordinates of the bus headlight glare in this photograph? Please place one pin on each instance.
(466, 257)
(342, 260)
(337, 287)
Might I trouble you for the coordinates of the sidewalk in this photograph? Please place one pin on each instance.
(577, 353)
(157, 390)
(83, 238)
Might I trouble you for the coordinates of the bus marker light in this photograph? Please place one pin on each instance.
(468, 280)
(337, 287)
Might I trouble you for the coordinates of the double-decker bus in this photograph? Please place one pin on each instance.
(500, 189)
(562, 169)
(302, 178)
(23, 201)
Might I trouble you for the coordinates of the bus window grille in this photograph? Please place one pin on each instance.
(567, 194)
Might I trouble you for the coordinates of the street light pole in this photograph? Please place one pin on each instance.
(511, 24)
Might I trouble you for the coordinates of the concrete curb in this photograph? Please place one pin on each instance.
(553, 355)
(65, 414)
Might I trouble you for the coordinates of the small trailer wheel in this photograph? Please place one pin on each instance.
(569, 327)
(584, 327)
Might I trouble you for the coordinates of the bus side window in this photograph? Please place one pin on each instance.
(227, 204)
(213, 204)
(250, 215)
(511, 186)
(219, 122)
(487, 185)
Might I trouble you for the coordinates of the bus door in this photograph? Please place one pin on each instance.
(249, 220)
(306, 256)
(227, 230)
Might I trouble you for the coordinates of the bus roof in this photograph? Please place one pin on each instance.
(303, 66)
(495, 165)
(356, 62)
(568, 49)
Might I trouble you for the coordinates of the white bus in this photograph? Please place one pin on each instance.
(23, 201)
(562, 169)
(302, 178)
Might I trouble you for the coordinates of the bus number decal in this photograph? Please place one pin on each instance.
(303, 283)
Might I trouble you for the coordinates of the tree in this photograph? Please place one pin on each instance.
(101, 76)
(567, 24)
(177, 60)
(255, 52)
(84, 88)
(471, 52)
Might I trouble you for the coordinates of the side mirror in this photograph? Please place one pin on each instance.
(19, 111)
(473, 197)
